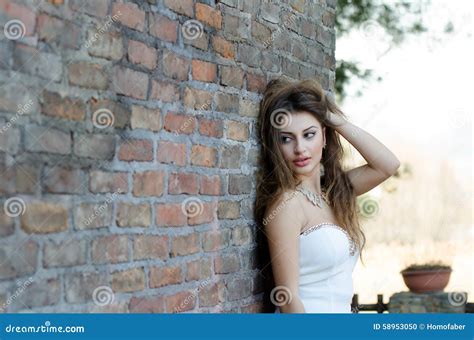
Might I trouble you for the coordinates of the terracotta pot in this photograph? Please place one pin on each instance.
(424, 281)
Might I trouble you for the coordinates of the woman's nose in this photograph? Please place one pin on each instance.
(299, 148)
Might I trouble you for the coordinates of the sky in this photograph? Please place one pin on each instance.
(423, 106)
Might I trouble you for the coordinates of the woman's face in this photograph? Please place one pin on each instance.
(301, 142)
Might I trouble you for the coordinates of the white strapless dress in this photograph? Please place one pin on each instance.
(327, 259)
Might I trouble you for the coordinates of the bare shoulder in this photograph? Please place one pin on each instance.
(286, 215)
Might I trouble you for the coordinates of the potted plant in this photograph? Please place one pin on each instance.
(427, 277)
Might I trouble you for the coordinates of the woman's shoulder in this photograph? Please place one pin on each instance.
(285, 208)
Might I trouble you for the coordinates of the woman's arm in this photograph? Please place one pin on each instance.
(282, 233)
(381, 162)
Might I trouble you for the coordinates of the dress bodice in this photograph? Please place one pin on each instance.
(327, 258)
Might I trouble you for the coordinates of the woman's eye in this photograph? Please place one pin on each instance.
(285, 139)
(310, 134)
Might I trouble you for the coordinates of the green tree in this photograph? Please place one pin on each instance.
(397, 18)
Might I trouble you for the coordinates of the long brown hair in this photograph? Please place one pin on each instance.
(281, 98)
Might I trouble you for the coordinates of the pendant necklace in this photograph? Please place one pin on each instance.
(315, 199)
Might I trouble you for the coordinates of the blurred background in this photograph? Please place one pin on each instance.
(403, 74)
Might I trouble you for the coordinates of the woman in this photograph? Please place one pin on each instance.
(310, 238)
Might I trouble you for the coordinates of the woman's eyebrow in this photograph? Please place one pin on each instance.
(303, 130)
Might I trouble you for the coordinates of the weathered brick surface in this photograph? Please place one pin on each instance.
(128, 145)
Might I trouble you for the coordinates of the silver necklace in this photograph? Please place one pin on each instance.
(315, 199)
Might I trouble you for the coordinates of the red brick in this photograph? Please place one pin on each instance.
(226, 264)
(207, 212)
(102, 182)
(148, 183)
(22, 13)
(204, 71)
(203, 156)
(154, 304)
(197, 99)
(183, 183)
(255, 83)
(231, 76)
(145, 118)
(164, 91)
(63, 180)
(140, 53)
(175, 66)
(184, 7)
(150, 247)
(208, 15)
(163, 28)
(171, 153)
(185, 245)
(164, 276)
(129, 15)
(214, 240)
(133, 215)
(42, 218)
(210, 185)
(55, 31)
(67, 107)
(129, 82)
(180, 302)
(237, 131)
(209, 295)
(110, 249)
(170, 215)
(136, 150)
(88, 75)
(130, 280)
(211, 127)
(223, 47)
(179, 123)
(199, 269)
(91, 7)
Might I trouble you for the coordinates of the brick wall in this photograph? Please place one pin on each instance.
(128, 147)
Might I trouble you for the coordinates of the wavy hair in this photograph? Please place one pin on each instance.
(280, 99)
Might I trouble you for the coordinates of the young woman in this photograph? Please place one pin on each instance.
(310, 238)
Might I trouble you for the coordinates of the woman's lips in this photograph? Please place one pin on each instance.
(302, 163)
